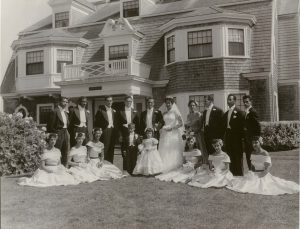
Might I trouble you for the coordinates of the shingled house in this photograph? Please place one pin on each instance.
(184, 48)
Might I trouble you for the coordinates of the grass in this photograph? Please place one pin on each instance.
(139, 202)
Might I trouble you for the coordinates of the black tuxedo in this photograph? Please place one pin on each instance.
(75, 122)
(214, 128)
(157, 118)
(55, 125)
(129, 153)
(252, 128)
(233, 140)
(109, 135)
(124, 131)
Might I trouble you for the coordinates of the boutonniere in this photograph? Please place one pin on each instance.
(214, 109)
(234, 116)
(134, 111)
(235, 112)
(155, 111)
(87, 111)
(113, 110)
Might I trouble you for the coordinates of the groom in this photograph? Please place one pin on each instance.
(151, 118)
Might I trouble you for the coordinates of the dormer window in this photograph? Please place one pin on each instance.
(131, 8)
(61, 19)
(236, 42)
(118, 52)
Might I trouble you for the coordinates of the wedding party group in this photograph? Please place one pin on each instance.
(205, 151)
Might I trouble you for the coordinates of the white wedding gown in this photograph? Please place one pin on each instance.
(171, 144)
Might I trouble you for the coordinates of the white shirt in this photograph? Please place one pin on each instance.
(63, 115)
(149, 118)
(128, 114)
(229, 115)
(110, 117)
(82, 116)
(247, 110)
(131, 139)
(208, 114)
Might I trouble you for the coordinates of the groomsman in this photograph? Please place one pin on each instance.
(252, 127)
(126, 116)
(212, 123)
(106, 119)
(233, 122)
(151, 118)
(58, 123)
(79, 121)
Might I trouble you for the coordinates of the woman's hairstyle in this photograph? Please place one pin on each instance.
(79, 135)
(51, 135)
(217, 140)
(169, 98)
(95, 130)
(192, 101)
(195, 146)
(128, 97)
(258, 138)
(149, 130)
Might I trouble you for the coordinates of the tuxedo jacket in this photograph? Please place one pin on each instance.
(252, 125)
(237, 121)
(75, 117)
(101, 118)
(136, 141)
(214, 128)
(122, 120)
(156, 118)
(55, 121)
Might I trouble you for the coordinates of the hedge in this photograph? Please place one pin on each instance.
(21, 144)
(280, 136)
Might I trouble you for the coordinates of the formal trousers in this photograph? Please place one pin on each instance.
(129, 158)
(108, 138)
(63, 144)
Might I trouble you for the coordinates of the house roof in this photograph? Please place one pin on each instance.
(86, 3)
(58, 32)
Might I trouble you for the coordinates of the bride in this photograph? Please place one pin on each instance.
(171, 144)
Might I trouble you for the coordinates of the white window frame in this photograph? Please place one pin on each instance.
(246, 41)
(38, 111)
(31, 51)
(60, 20)
(166, 51)
(200, 30)
(55, 59)
(121, 8)
(124, 44)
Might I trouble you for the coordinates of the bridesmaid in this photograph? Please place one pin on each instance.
(103, 169)
(77, 159)
(51, 171)
(193, 127)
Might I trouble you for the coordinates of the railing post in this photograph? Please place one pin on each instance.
(129, 65)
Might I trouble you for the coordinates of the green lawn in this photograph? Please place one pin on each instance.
(138, 202)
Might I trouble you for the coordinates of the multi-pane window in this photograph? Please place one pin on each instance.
(170, 49)
(131, 8)
(43, 113)
(236, 42)
(118, 52)
(239, 101)
(200, 44)
(34, 63)
(63, 56)
(61, 19)
(200, 101)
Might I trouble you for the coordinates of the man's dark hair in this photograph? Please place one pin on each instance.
(234, 97)
(247, 97)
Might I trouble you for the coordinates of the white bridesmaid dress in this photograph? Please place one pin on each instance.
(218, 177)
(59, 175)
(267, 185)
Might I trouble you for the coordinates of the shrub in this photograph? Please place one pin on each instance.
(283, 135)
(21, 144)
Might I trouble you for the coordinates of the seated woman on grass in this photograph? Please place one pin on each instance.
(101, 168)
(192, 158)
(219, 174)
(51, 171)
(259, 180)
(77, 159)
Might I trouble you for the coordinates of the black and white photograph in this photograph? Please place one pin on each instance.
(149, 114)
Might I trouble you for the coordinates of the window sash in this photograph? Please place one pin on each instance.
(61, 19)
(171, 49)
(118, 52)
(200, 44)
(34, 63)
(44, 112)
(131, 8)
(236, 44)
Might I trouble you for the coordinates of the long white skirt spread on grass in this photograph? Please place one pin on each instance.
(267, 185)
(41, 178)
(106, 171)
(83, 174)
(148, 163)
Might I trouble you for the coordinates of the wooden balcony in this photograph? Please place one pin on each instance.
(111, 68)
(37, 82)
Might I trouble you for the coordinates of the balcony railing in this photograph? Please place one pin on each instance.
(111, 68)
(37, 82)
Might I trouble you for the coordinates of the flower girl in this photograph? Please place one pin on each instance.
(101, 168)
(259, 180)
(219, 175)
(149, 161)
(77, 159)
(51, 171)
(192, 157)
